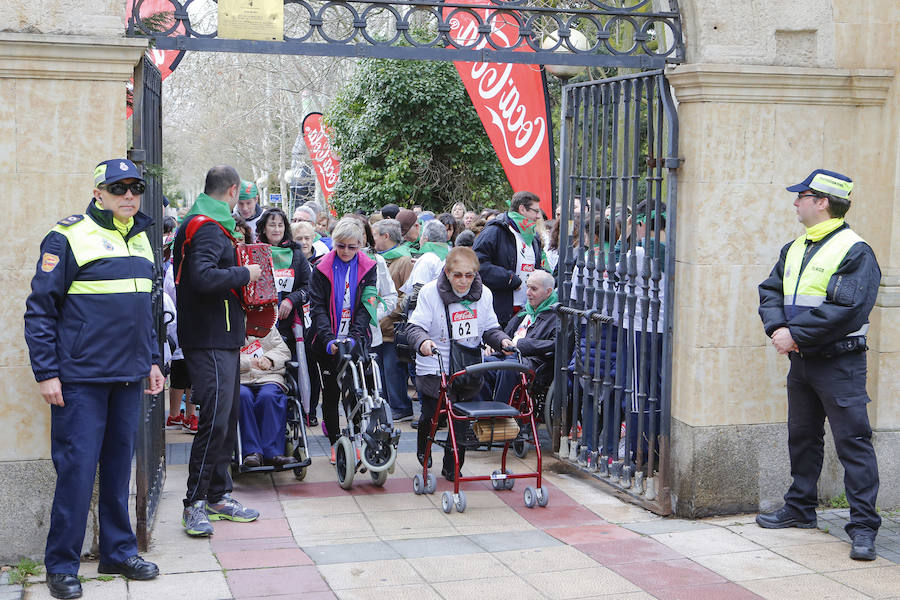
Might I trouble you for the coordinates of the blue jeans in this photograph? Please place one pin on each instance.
(393, 377)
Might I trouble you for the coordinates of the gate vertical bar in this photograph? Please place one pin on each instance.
(150, 449)
(618, 281)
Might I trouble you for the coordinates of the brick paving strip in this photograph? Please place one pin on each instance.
(315, 540)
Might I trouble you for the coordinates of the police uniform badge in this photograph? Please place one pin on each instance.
(107, 246)
(49, 262)
(69, 221)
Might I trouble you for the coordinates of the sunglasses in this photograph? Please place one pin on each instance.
(346, 247)
(118, 188)
(458, 275)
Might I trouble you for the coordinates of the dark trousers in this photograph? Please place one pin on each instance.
(833, 388)
(263, 416)
(428, 387)
(97, 425)
(215, 378)
(393, 378)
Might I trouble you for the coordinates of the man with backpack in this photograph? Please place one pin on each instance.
(211, 330)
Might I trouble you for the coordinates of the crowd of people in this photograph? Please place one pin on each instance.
(399, 283)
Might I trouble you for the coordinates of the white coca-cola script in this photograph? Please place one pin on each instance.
(522, 136)
(324, 160)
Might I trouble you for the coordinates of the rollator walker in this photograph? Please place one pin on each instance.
(492, 423)
(369, 441)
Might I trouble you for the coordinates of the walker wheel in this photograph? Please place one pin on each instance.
(430, 483)
(530, 497)
(520, 448)
(418, 486)
(461, 502)
(447, 502)
(509, 483)
(543, 496)
(345, 462)
(498, 484)
(379, 477)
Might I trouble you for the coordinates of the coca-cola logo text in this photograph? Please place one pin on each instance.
(325, 162)
(522, 137)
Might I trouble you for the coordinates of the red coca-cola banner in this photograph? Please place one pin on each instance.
(325, 161)
(165, 60)
(510, 100)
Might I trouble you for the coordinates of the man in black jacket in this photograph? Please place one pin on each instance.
(508, 250)
(533, 331)
(815, 306)
(211, 331)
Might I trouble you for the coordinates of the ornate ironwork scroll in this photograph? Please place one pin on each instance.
(621, 33)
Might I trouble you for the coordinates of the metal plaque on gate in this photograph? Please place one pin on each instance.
(252, 20)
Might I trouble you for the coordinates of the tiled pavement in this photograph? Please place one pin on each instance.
(315, 540)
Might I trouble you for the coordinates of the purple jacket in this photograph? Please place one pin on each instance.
(324, 320)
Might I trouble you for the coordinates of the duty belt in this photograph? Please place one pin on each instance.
(843, 346)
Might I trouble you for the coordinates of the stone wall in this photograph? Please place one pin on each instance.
(62, 111)
(766, 97)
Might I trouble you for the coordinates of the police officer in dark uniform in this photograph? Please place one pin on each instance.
(815, 307)
(92, 341)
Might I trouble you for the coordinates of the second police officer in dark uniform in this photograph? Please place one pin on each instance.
(92, 340)
(815, 306)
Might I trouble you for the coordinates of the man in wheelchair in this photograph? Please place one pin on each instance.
(533, 331)
(264, 400)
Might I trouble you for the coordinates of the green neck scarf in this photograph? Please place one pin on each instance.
(545, 305)
(526, 226)
(370, 301)
(820, 230)
(216, 210)
(396, 252)
(281, 257)
(439, 248)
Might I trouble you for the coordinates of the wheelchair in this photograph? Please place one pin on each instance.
(488, 422)
(541, 391)
(369, 441)
(295, 433)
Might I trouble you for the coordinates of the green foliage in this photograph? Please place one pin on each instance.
(407, 133)
(23, 570)
(839, 501)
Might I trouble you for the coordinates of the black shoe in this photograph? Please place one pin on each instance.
(133, 567)
(782, 518)
(863, 547)
(421, 458)
(414, 424)
(449, 474)
(253, 460)
(401, 417)
(313, 421)
(63, 585)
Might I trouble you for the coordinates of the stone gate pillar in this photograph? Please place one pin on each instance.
(763, 99)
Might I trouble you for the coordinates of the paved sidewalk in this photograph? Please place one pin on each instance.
(317, 541)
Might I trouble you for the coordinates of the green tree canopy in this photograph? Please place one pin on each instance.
(407, 133)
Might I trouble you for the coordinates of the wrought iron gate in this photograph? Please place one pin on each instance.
(146, 152)
(612, 395)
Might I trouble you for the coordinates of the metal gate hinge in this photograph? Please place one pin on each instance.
(137, 155)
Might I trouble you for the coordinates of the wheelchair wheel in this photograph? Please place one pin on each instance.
(345, 462)
(379, 477)
(300, 455)
(549, 413)
(520, 448)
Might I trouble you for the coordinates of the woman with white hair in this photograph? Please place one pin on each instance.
(434, 248)
(343, 283)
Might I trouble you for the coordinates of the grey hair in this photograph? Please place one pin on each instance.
(309, 212)
(315, 206)
(434, 231)
(543, 278)
(348, 229)
(391, 227)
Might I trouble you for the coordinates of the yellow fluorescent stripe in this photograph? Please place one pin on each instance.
(111, 286)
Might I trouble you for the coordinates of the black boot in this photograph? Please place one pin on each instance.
(63, 585)
(782, 518)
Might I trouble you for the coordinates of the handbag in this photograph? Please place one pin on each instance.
(462, 356)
